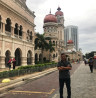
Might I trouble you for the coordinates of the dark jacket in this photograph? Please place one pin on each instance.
(64, 73)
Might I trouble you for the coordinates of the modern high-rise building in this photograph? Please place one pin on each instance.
(71, 33)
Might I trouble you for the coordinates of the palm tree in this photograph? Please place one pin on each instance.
(41, 42)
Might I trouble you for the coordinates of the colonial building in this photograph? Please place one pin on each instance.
(16, 32)
(72, 54)
(54, 28)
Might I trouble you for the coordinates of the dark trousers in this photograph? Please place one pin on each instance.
(91, 68)
(67, 81)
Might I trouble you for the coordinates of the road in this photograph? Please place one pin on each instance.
(43, 87)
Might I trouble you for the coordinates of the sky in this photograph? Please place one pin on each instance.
(81, 13)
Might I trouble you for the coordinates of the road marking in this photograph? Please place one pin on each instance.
(30, 92)
(55, 96)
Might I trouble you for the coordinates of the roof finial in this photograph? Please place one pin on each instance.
(50, 10)
(58, 8)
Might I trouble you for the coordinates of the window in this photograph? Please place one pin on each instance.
(16, 29)
(53, 56)
(54, 42)
(8, 25)
(50, 42)
(20, 31)
(29, 35)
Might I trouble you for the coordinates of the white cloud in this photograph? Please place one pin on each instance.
(87, 42)
(81, 13)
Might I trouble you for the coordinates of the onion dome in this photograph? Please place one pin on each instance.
(50, 18)
(70, 42)
(60, 13)
(94, 57)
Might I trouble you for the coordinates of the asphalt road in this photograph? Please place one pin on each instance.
(43, 87)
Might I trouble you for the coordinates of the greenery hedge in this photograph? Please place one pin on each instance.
(22, 70)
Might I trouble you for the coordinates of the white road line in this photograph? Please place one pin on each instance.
(55, 96)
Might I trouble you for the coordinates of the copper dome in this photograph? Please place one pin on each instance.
(50, 18)
(59, 12)
(70, 42)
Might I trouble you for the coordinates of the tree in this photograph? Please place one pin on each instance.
(91, 54)
(41, 42)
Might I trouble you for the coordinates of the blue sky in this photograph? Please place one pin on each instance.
(80, 13)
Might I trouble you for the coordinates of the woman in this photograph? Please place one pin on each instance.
(9, 63)
(91, 64)
(14, 63)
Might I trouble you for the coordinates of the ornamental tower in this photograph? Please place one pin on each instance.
(60, 20)
(50, 30)
(50, 25)
(54, 28)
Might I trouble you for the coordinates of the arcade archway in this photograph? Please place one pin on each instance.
(40, 57)
(36, 58)
(29, 57)
(18, 57)
(7, 57)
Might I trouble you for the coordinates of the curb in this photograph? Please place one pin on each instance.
(4, 87)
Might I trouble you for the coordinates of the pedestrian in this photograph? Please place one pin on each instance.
(64, 75)
(85, 61)
(77, 61)
(94, 63)
(9, 63)
(14, 63)
(91, 64)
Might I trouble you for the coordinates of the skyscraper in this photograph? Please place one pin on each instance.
(71, 33)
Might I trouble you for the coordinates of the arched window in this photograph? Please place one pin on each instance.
(18, 55)
(31, 35)
(36, 58)
(53, 56)
(27, 35)
(40, 57)
(54, 43)
(16, 29)
(27, 32)
(8, 25)
(29, 59)
(20, 31)
(7, 57)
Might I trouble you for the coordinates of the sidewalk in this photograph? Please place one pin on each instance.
(83, 84)
(4, 87)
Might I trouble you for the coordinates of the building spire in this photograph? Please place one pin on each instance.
(58, 8)
(50, 11)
